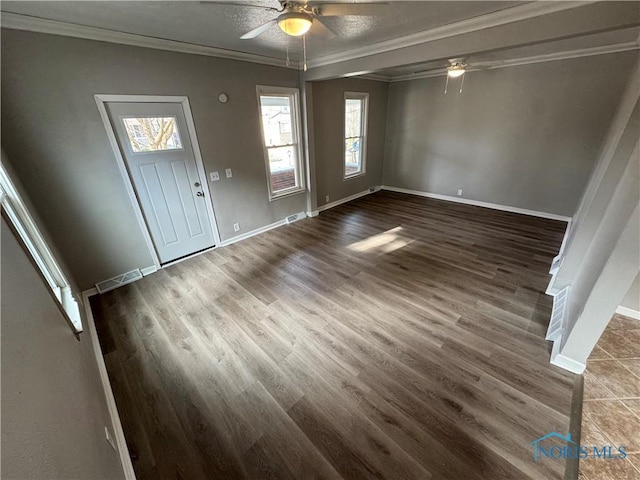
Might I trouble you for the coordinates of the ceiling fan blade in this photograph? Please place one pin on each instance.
(261, 29)
(321, 28)
(240, 4)
(342, 9)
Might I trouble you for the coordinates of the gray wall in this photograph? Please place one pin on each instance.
(524, 136)
(593, 235)
(53, 135)
(601, 256)
(632, 298)
(53, 406)
(35, 216)
(328, 121)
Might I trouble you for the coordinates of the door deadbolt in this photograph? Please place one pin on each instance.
(197, 184)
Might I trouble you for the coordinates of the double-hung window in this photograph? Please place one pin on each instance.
(17, 213)
(355, 133)
(279, 115)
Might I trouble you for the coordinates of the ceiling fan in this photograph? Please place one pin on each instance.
(296, 17)
(457, 68)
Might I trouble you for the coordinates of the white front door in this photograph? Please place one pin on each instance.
(156, 147)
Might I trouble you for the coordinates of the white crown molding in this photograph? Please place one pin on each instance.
(34, 24)
(514, 62)
(489, 20)
(501, 17)
(371, 76)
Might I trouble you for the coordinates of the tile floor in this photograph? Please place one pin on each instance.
(611, 408)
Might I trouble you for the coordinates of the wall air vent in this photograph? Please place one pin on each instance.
(558, 314)
(119, 281)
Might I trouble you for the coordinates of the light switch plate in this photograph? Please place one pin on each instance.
(229, 173)
(215, 176)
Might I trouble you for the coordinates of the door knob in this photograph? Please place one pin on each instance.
(200, 194)
(197, 184)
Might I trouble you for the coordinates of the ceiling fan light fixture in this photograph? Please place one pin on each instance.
(295, 23)
(456, 70)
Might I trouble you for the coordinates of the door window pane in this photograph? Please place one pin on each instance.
(148, 134)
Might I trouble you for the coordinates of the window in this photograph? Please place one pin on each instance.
(152, 134)
(355, 133)
(280, 135)
(24, 225)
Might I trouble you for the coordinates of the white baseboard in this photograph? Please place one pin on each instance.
(567, 363)
(257, 231)
(477, 203)
(116, 424)
(149, 270)
(315, 213)
(552, 290)
(628, 312)
(348, 199)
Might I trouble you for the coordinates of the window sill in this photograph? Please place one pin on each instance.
(287, 193)
(355, 175)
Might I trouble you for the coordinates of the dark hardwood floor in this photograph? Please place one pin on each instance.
(392, 337)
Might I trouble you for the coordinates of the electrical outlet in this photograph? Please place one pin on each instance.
(326, 199)
(236, 227)
(229, 173)
(110, 439)
(459, 192)
(215, 176)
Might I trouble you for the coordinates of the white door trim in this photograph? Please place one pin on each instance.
(101, 100)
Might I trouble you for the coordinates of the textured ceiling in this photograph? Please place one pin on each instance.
(221, 25)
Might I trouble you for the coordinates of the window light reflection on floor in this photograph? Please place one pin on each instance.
(384, 242)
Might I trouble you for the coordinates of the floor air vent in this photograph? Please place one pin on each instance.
(293, 218)
(118, 281)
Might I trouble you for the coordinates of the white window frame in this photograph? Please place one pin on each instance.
(296, 132)
(26, 228)
(364, 123)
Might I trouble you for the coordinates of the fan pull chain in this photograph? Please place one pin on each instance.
(462, 81)
(446, 85)
(304, 52)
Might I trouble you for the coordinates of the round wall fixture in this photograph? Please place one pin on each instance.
(223, 97)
